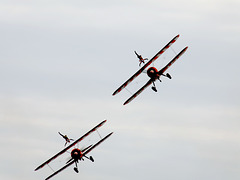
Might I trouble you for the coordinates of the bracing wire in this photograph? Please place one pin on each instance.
(99, 134)
(173, 51)
(50, 168)
(129, 91)
(90, 137)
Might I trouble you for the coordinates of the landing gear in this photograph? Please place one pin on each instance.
(91, 158)
(168, 75)
(154, 86)
(76, 169)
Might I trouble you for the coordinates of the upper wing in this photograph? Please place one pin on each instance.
(172, 61)
(71, 145)
(64, 167)
(138, 92)
(97, 144)
(146, 65)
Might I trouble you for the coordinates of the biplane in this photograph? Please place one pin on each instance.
(152, 72)
(76, 154)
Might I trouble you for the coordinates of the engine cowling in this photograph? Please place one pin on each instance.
(76, 154)
(152, 72)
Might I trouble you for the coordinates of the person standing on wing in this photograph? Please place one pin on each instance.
(66, 138)
(141, 60)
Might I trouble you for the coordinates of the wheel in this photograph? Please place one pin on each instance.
(76, 170)
(154, 89)
(91, 158)
(168, 75)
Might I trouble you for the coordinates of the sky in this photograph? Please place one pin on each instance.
(61, 61)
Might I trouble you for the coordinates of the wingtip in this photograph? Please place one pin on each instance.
(115, 92)
(127, 101)
(108, 135)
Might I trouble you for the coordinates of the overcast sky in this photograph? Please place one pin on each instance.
(61, 61)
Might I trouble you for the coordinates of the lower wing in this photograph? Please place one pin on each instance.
(172, 61)
(99, 142)
(64, 167)
(138, 92)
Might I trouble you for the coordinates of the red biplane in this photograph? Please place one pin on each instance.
(76, 154)
(152, 72)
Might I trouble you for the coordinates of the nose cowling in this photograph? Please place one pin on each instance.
(152, 72)
(76, 154)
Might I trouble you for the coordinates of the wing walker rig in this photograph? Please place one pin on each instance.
(152, 72)
(76, 154)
